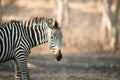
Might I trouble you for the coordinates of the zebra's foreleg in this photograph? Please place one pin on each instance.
(22, 61)
(17, 70)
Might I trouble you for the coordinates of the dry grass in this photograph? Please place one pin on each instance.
(72, 67)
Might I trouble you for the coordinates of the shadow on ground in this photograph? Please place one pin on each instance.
(72, 67)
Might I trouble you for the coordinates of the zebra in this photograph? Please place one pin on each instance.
(18, 37)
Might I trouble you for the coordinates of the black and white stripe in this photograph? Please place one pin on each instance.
(18, 37)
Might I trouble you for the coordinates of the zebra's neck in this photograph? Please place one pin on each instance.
(35, 33)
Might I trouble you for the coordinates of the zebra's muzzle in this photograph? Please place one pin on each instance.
(58, 55)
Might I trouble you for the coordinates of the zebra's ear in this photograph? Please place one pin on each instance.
(51, 23)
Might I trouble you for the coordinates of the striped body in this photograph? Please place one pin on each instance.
(15, 37)
(18, 37)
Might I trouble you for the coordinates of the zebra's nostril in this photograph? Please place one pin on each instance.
(58, 56)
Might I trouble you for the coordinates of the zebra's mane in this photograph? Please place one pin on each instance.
(38, 20)
(15, 21)
(46, 20)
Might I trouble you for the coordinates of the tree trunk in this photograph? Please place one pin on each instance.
(63, 12)
(114, 40)
(60, 11)
(109, 25)
(66, 13)
(0, 11)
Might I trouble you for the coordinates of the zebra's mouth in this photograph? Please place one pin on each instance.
(58, 55)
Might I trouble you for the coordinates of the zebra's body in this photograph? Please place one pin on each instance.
(18, 37)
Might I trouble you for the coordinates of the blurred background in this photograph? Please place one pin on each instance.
(90, 43)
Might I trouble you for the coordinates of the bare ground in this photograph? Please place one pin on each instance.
(72, 67)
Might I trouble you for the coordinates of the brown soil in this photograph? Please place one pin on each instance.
(85, 66)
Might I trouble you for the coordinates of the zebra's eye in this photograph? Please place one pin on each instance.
(51, 37)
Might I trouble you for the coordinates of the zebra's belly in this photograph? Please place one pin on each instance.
(6, 57)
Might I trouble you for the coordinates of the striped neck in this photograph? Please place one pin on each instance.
(35, 33)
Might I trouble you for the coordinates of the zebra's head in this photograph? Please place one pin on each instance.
(55, 38)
